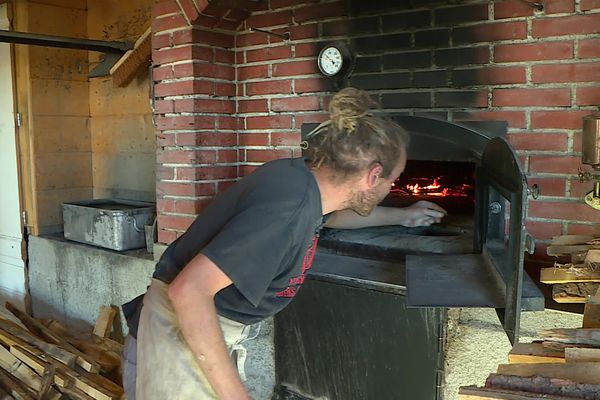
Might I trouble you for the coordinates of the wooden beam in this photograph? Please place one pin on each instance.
(579, 354)
(563, 275)
(563, 250)
(133, 61)
(14, 387)
(580, 372)
(523, 353)
(586, 336)
(571, 239)
(104, 323)
(476, 393)
(574, 292)
(21, 371)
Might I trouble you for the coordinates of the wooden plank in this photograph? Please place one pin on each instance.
(14, 387)
(588, 336)
(564, 250)
(563, 275)
(579, 372)
(591, 313)
(523, 353)
(571, 239)
(544, 385)
(105, 321)
(592, 257)
(56, 352)
(42, 331)
(580, 354)
(574, 292)
(133, 61)
(39, 364)
(475, 393)
(74, 393)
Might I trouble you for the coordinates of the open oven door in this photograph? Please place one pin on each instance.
(493, 275)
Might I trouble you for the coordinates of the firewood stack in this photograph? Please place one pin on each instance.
(565, 365)
(577, 280)
(41, 360)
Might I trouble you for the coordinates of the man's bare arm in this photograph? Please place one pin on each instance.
(192, 294)
(421, 213)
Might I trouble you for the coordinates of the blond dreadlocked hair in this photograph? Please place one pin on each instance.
(353, 139)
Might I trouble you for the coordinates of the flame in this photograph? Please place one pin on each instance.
(416, 188)
(435, 188)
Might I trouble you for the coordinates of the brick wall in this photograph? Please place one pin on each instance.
(229, 98)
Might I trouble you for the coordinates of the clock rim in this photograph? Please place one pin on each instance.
(319, 58)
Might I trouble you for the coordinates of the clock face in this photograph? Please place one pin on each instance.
(330, 61)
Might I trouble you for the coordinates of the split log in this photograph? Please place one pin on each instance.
(591, 314)
(565, 275)
(587, 336)
(571, 239)
(578, 354)
(21, 371)
(565, 250)
(475, 393)
(523, 353)
(574, 292)
(544, 385)
(14, 387)
(579, 372)
(105, 321)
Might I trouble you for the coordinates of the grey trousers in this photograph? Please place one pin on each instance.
(160, 365)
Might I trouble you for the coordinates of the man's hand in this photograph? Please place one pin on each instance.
(422, 213)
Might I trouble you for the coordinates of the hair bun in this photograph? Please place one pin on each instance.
(347, 107)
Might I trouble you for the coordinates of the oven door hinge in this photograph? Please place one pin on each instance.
(24, 218)
(19, 119)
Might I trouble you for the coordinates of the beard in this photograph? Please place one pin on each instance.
(363, 203)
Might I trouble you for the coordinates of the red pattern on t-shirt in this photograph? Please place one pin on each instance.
(295, 282)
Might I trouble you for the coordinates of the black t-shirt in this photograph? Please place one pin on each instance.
(261, 233)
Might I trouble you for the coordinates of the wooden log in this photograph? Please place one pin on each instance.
(574, 292)
(565, 275)
(56, 352)
(579, 354)
(21, 371)
(591, 313)
(42, 331)
(587, 336)
(579, 372)
(105, 320)
(475, 393)
(523, 353)
(544, 385)
(14, 387)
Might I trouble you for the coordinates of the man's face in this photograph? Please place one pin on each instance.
(363, 202)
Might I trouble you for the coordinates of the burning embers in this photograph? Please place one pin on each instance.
(437, 186)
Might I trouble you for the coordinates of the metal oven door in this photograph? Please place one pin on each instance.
(493, 275)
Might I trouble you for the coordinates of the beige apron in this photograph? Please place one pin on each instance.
(166, 367)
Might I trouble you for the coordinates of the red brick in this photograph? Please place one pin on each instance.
(224, 89)
(205, 105)
(164, 8)
(302, 103)
(247, 106)
(185, 53)
(246, 170)
(515, 119)
(319, 11)
(533, 51)
(199, 36)
(493, 75)
(185, 189)
(585, 72)
(306, 50)
(490, 32)
(186, 157)
(184, 87)
(269, 87)
(569, 211)
(549, 186)
(165, 139)
(543, 230)
(266, 155)
(187, 122)
(567, 119)
(163, 106)
(270, 19)
(589, 48)
(162, 73)
(161, 41)
(227, 123)
(275, 4)
(559, 6)
(562, 26)
(311, 85)
(168, 23)
(165, 173)
(224, 56)
(577, 141)
(303, 118)
(297, 32)
(254, 139)
(588, 5)
(583, 229)
(189, 9)
(206, 139)
(251, 39)
(539, 141)
(227, 156)
(269, 53)
(554, 164)
(295, 68)
(206, 173)
(205, 70)
(588, 96)
(253, 72)
(201, 4)
(175, 222)
(193, 207)
(580, 189)
(512, 9)
(269, 122)
(285, 139)
(166, 237)
(531, 97)
(165, 205)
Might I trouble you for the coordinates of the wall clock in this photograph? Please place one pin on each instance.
(335, 60)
